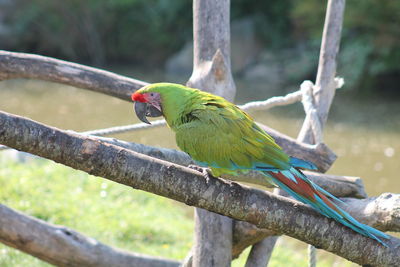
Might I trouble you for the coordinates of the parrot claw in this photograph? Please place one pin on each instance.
(205, 171)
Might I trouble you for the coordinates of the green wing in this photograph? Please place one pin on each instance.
(217, 133)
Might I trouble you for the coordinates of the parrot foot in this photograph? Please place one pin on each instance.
(205, 171)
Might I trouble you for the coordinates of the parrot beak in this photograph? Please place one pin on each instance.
(144, 110)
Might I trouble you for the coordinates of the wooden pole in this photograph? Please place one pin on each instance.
(324, 89)
(211, 37)
(212, 73)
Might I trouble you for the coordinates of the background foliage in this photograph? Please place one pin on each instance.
(146, 32)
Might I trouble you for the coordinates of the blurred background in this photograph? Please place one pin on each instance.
(275, 40)
(275, 46)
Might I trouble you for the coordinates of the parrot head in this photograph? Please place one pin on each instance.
(147, 104)
(164, 99)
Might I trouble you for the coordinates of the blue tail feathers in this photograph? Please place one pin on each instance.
(304, 190)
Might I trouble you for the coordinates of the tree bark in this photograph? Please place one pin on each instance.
(246, 235)
(340, 186)
(211, 44)
(212, 231)
(261, 252)
(381, 212)
(260, 208)
(21, 65)
(61, 246)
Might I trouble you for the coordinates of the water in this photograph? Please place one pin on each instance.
(364, 133)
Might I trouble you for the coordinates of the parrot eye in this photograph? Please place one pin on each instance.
(151, 94)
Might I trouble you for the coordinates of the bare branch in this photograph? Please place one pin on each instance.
(324, 91)
(319, 154)
(246, 234)
(64, 247)
(261, 252)
(381, 212)
(212, 73)
(212, 239)
(260, 208)
(340, 186)
(21, 65)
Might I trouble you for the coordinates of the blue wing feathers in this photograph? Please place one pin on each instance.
(303, 164)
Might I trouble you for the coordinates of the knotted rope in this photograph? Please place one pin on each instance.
(307, 89)
(312, 256)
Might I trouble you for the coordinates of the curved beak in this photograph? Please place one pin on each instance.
(144, 110)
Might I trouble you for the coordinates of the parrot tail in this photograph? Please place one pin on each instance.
(294, 182)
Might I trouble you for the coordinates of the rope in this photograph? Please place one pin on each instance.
(307, 88)
(312, 256)
(124, 129)
(273, 102)
(305, 95)
(308, 91)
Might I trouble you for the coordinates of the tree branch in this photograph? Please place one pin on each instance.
(381, 212)
(260, 208)
(20, 65)
(324, 91)
(212, 239)
(261, 252)
(320, 154)
(64, 247)
(340, 186)
(246, 234)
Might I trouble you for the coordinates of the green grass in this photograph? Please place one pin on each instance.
(111, 213)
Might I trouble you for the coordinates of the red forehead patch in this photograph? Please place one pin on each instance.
(138, 97)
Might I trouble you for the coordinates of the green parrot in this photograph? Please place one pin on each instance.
(220, 136)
